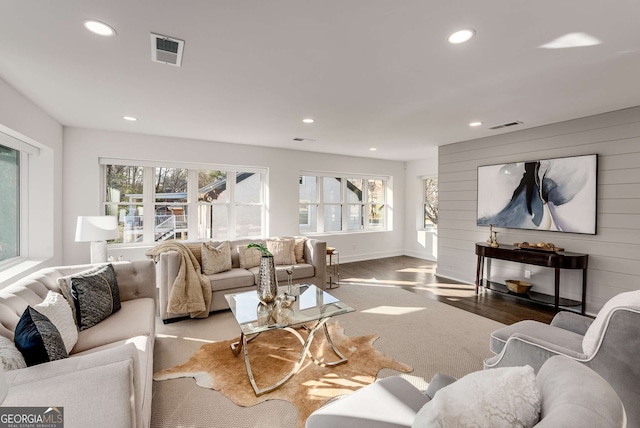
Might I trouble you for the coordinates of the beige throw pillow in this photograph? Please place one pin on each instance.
(299, 249)
(216, 259)
(282, 250)
(249, 257)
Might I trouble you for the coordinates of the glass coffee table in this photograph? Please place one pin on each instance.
(308, 303)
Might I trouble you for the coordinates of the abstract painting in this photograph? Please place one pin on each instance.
(548, 194)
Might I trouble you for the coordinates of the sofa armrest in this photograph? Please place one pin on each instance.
(439, 381)
(315, 253)
(166, 273)
(522, 350)
(93, 389)
(571, 321)
(136, 279)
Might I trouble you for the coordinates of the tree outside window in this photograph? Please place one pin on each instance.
(431, 203)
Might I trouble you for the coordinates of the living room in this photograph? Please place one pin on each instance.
(582, 105)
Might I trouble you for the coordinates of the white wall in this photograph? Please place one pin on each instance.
(22, 119)
(83, 148)
(417, 241)
(614, 252)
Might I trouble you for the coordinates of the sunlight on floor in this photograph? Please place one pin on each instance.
(193, 339)
(381, 282)
(416, 381)
(418, 269)
(392, 310)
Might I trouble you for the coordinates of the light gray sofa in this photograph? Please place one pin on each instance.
(106, 380)
(572, 396)
(237, 279)
(612, 349)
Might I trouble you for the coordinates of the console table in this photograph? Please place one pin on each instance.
(556, 260)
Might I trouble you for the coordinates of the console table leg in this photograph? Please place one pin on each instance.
(478, 264)
(584, 291)
(556, 300)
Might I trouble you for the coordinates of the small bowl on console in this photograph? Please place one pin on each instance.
(518, 287)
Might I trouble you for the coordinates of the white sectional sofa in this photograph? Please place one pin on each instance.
(237, 279)
(107, 379)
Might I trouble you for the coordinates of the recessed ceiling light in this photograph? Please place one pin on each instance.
(461, 36)
(475, 124)
(130, 118)
(308, 120)
(372, 149)
(99, 28)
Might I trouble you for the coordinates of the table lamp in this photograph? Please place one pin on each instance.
(97, 230)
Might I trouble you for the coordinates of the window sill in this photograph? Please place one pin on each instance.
(17, 269)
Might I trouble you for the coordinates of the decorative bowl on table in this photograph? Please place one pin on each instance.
(518, 287)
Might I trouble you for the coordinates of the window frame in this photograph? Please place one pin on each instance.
(149, 197)
(345, 204)
(425, 225)
(25, 152)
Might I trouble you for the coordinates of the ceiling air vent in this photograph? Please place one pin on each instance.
(303, 139)
(506, 125)
(166, 50)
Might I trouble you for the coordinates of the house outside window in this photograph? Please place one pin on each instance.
(156, 203)
(430, 204)
(10, 206)
(341, 203)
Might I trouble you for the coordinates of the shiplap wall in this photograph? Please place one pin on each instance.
(614, 252)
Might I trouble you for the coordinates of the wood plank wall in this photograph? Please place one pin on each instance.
(614, 252)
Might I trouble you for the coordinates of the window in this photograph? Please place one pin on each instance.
(182, 202)
(430, 187)
(335, 203)
(10, 206)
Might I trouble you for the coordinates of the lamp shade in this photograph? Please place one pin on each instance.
(96, 228)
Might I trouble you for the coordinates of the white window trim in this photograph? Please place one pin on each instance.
(345, 204)
(423, 183)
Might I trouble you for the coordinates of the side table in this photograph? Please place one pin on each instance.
(333, 268)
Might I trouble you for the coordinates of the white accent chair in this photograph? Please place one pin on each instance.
(610, 345)
(572, 396)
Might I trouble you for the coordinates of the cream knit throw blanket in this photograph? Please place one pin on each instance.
(191, 290)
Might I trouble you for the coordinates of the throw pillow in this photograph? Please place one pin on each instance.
(249, 257)
(94, 293)
(592, 336)
(10, 357)
(216, 259)
(299, 249)
(282, 250)
(64, 283)
(504, 397)
(37, 339)
(57, 309)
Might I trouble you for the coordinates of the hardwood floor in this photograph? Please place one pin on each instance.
(418, 276)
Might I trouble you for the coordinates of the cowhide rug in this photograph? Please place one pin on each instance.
(273, 355)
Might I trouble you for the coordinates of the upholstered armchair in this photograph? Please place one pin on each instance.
(610, 345)
(570, 395)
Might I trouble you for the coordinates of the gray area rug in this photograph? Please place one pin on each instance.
(427, 335)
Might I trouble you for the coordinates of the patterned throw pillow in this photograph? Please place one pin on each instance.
(10, 357)
(282, 250)
(37, 339)
(216, 259)
(299, 249)
(58, 310)
(505, 397)
(94, 293)
(249, 257)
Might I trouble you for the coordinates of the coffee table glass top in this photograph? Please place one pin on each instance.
(311, 304)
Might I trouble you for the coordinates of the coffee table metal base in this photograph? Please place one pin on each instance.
(236, 347)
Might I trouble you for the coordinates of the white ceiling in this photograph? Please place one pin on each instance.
(372, 73)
